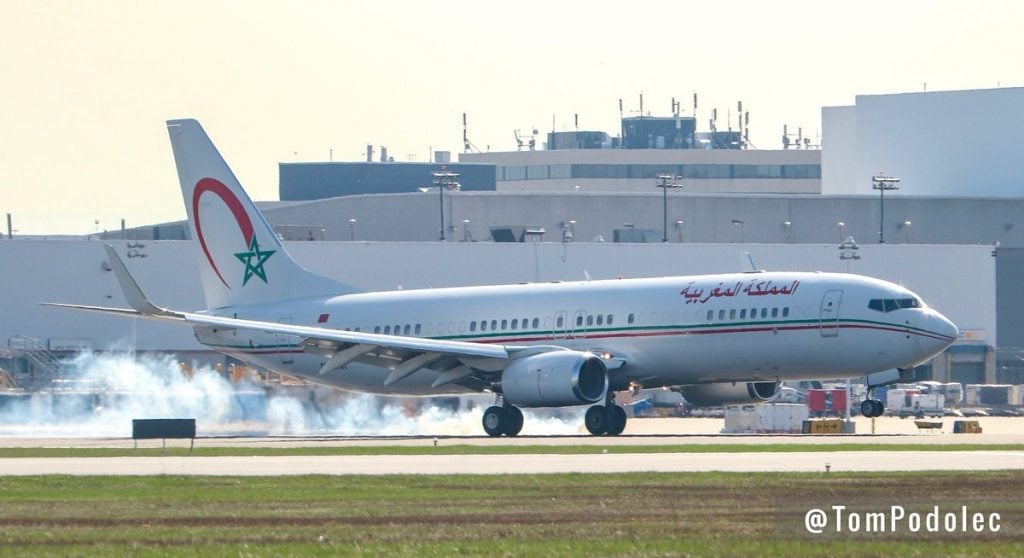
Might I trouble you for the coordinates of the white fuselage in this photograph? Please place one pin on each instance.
(666, 331)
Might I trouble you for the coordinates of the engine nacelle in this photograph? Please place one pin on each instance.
(730, 393)
(555, 379)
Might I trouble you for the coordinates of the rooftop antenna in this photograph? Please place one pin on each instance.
(746, 130)
(576, 120)
(467, 145)
(531, 139)
(739, 114)
(641, 105)
(694, 105)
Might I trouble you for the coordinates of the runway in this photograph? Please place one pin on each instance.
(839, 461)
(647, 432)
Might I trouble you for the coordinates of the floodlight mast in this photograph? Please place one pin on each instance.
(881, 182)
(444, 179)
(666, 181)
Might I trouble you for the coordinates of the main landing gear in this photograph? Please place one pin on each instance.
(503, 420)
(507, 420)
(607, 419)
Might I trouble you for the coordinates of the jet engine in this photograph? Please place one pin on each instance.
(729, 393)
(555, 379)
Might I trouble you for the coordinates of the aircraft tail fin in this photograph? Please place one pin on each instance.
(241, 259)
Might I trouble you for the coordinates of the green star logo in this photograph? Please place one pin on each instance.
(260, 258)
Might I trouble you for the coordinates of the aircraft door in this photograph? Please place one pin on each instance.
(560, 328)
(829, 317)
(578, 327)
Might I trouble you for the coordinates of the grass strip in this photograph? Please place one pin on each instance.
(635, 514)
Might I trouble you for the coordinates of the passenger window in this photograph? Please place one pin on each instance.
(775, 312)
(732, 314)
(753, 313)
(609, 319)
(407, 330)
(764, 312)
(376, 329)
(536, 323)
(504, 324)
(387, 330)
(590, 319)
(418, 329)
(600, 319)
(515, 323)
(472, 325)
(494, 325)
(560, 321)
(483, 325)
(711, 315)
(785, 312)
(631, 318)
(721, 314)
(579, 321)
(743, 314)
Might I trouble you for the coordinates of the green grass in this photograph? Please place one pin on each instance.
(706, 514)
(453, 448)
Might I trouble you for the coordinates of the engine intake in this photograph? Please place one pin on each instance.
(731, 393)
(555, 379)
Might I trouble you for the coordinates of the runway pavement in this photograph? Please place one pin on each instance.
(645, 432)
(518, 464)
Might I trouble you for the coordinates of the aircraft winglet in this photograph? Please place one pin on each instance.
(132, 292)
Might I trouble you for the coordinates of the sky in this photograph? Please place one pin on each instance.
(88, 85)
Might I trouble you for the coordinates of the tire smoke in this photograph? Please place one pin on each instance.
(102, 393)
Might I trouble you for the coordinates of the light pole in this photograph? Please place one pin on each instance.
(882, 183)
(444, 179)
(679, 227)
(352, 228)
(666, 181)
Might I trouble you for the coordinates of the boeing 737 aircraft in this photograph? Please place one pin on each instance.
(720, 339)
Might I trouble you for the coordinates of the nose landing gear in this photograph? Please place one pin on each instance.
(872, 408)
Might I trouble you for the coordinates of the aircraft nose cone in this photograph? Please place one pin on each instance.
(944, 327)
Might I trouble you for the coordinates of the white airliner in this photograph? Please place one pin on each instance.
(720, 339)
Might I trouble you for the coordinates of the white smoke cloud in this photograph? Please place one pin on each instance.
(105, 392)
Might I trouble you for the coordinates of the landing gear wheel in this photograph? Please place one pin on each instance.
(515, 421)
(616, 420)
(597, 420)
(872, 408)
(495, 421)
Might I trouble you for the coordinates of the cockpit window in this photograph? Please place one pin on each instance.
(890, 304)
